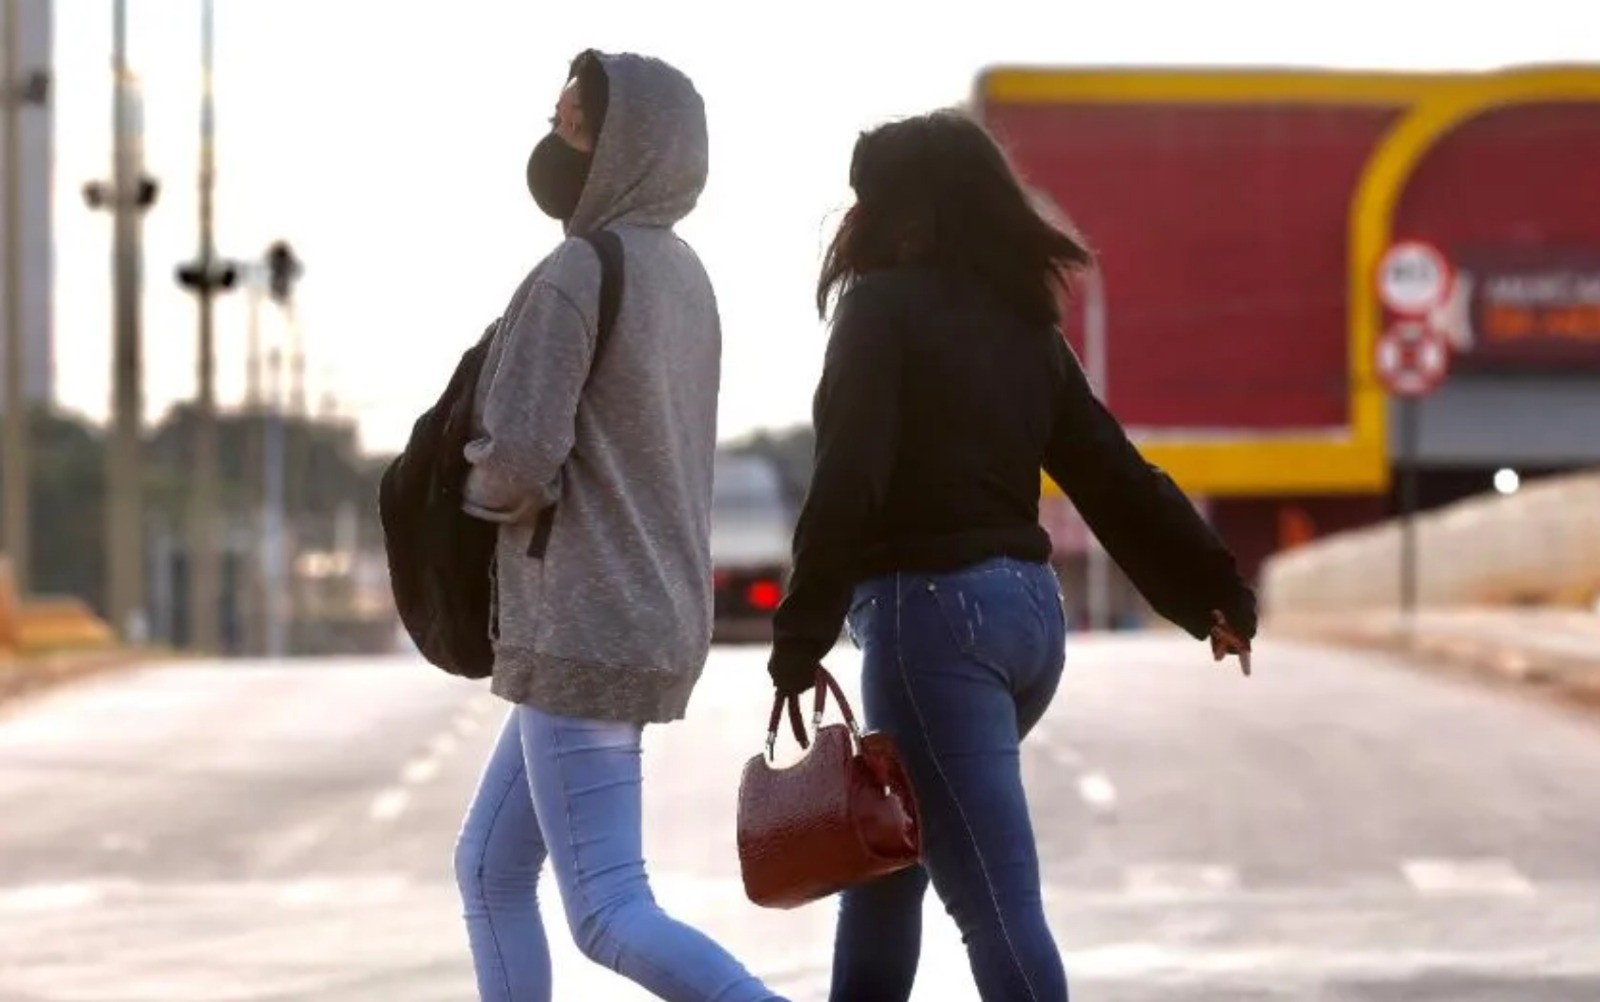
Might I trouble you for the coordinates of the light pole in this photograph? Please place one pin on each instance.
(128, 196)
(274, 569)
(1098, 569)
(206, 276)
(16, 90)
(283, 270)
(255, 420)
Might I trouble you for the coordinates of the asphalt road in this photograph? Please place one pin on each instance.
(1335, 829)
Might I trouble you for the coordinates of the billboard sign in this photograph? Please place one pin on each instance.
(1531, 310)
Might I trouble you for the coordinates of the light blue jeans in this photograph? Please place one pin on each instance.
(569, 791)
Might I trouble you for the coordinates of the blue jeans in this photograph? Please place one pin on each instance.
(570, 791)
(957, 669)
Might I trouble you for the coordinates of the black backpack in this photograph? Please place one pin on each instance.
(440, 558)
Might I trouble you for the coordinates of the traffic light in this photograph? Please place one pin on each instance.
(99, 195)
(283, 270)
(34, 88)
(222, 276)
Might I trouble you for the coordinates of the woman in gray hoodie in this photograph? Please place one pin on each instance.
(601, 483)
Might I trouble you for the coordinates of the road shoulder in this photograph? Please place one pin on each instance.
(1550, 653)
(27, 676)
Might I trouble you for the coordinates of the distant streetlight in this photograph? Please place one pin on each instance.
(128, 195)
(17, 88)
(206, 276)
(1507, 481)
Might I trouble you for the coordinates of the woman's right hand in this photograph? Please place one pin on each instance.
(1224, 641)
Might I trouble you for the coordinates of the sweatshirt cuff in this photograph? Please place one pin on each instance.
(488, 497)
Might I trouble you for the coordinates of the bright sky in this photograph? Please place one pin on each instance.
(386, 139)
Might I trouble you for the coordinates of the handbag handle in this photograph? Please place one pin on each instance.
(825, 683)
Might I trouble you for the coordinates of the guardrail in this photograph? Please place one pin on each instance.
(1540, 546)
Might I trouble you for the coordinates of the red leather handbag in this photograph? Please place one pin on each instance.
(842, 815)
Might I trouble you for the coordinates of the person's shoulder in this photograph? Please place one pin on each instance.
(886, 295)
(902, 284)
(573, 266)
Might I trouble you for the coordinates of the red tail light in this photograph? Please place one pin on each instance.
(764, 595)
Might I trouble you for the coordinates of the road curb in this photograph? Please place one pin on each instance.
(29, 676)
(1574, 681)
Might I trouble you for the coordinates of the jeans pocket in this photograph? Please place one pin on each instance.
(858, 621)
(991, 618)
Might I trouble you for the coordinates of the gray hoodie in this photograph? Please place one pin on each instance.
(603, 572)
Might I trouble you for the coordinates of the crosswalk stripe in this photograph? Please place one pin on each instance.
(49, 897)
(1175, 879)
(1140, 886)
(389, 805)
(1465, 876)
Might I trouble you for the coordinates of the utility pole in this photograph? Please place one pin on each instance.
(283, 271)
(206, 276)
(275, 572)
(128, 196)
(14, 93)
(1098, 563)
(255, 433)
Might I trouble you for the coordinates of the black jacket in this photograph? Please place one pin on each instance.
(936, 411)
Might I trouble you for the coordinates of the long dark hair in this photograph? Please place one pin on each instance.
(936, 190)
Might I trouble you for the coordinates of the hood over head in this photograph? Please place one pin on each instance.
(651, 157)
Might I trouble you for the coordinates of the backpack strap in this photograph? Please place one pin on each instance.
(608, 246)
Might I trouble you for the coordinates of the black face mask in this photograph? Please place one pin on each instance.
(556, 175)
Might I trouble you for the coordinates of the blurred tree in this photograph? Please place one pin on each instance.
(69, 487)
(68, 505)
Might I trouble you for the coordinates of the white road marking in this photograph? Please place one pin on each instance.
(49, 897)
(307, 892)
(1270, 963)
(251, 940)
(115, 842)
(297, 841)
(720, 896)
(419, 771)
(1096, 790)
(341, 891)
(443, 745)
(389, 804)
(1170, 880)
(1465, 876)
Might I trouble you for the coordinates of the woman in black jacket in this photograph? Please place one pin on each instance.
(946, 388)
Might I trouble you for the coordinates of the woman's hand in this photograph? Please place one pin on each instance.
(1224, 641)
(791, 676)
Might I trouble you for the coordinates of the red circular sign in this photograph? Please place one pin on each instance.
(1414, 277)
(1413, 359)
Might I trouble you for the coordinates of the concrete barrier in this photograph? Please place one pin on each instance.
(8, 608)
(47, 624)
(1539, 546)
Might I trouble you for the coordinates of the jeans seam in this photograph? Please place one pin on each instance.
(494, 935)
(927, 742)
(579, 886)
